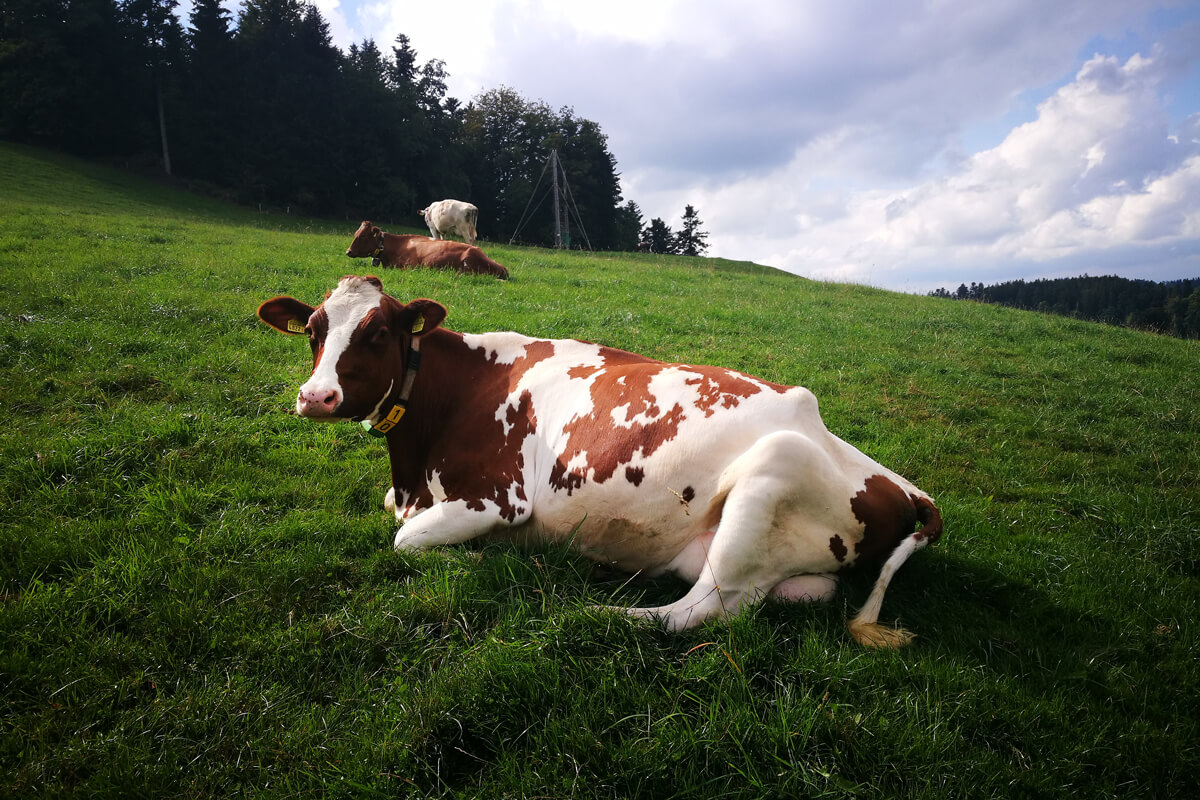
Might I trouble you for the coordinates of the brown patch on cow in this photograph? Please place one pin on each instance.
(503, 472)
(634, 394)
(535, 352)
(452, 428)
(838, 548)
(603, 446)
(582, 372)
(561, 479)
(635, 475)
(720, 387)
(887, 513)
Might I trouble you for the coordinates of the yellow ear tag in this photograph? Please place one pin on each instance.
(419, 324)
(295, 326)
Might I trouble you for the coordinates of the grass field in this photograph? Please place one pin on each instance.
(198, 597)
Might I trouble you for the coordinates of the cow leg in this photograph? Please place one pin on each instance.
(447, 522)
(762, 540)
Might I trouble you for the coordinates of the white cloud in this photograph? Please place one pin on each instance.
(828, 138)
(1097, 178)
(1096, 169)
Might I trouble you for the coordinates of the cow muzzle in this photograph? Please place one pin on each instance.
(317, 403)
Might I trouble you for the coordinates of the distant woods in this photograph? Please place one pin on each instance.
(1172, 308)
(265, 110)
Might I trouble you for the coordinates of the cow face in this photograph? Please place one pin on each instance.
(367, 240)
(359, 338)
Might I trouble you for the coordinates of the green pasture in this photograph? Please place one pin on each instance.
(198, 597)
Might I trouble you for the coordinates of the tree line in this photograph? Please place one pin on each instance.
(690, 240)
(265, 110)
(1171, 307)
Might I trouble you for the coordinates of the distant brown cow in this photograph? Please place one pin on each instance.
(404, 250)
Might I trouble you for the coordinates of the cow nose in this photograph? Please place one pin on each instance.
(349, 254)
(318, 402)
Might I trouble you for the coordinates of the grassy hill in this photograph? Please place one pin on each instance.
(198, 596)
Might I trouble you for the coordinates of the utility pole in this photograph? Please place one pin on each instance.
(162, 125)
(557, 215)
(563, 202)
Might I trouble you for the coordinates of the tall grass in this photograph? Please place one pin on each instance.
(198, 596)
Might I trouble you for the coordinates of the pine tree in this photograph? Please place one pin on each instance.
(691, 240)
(628, 227)
(660, 237)
(205, 143)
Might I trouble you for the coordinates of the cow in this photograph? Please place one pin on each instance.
(412, 250)
(446, 217)
(730, 482)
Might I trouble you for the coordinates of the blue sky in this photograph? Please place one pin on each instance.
(907, 145)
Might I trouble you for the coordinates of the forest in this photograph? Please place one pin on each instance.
(264, 110)
(1171, 307)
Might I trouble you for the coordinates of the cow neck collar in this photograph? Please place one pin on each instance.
(389, 420)
(378, 252)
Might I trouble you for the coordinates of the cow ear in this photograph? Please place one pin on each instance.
(421, 316)
(285, 314)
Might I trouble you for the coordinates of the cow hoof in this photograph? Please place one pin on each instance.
(872, 634)
(649, 615)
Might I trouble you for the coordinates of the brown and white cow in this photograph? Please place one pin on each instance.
(410, 250)
(449, 217)
(731, 482)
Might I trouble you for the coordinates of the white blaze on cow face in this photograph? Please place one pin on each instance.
(345, 309)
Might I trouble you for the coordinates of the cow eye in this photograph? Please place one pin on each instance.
(379, 337)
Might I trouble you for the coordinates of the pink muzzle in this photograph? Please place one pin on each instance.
(319, 402)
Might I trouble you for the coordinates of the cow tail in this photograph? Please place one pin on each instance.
(930, 519)
(865, 627)
(472, 217)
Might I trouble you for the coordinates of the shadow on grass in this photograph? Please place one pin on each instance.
(955, 606)
(982, 617)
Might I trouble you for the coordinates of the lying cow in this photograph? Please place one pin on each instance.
(410, 250)
(730, 482)
(447, 217)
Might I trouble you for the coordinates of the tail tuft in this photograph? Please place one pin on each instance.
(872, 634)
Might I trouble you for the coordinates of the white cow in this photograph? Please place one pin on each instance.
(446, 217)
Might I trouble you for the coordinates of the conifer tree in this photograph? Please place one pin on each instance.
(692, 239)
(660, 237)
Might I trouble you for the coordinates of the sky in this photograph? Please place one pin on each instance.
(904, 145)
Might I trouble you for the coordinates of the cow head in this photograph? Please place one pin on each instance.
(368, 240)
(359, 338)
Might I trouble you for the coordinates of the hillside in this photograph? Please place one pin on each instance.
(198, 596)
